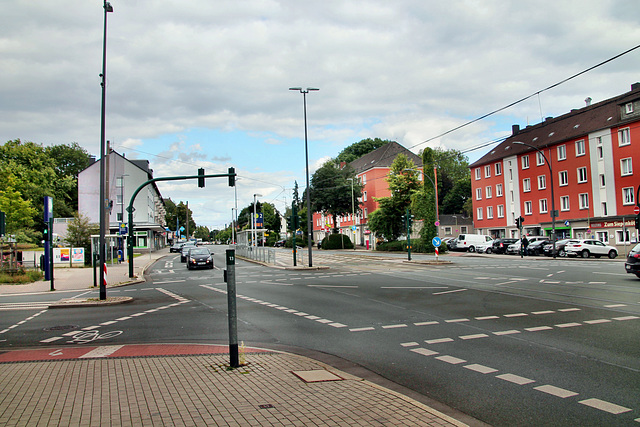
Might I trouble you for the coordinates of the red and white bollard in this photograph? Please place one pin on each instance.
(104, 268)
(436, 254)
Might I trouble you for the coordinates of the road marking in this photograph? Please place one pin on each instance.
(509, 332)
(409, 344)
(331, 286)
(595, 322)
(544, 312)
(615, 305)
(448, 292)
(626, 318)
(394, 326)
(369, 328)
(324, 321)
(538, 328)
(504, 283)
(456, 320)
(102, 351)
(605, 406)
(432, 322)
(123, 318)
(451, 359)
(312, 317)
(413, 287)
(597, 283)
(567, 310)
(556, 391)
(568, 325)
(300, 313)
(110, 322)
(516, 379)
(52, 339)
(168, 281)
(338, 325)
(473, 337)
(487, 317)
(424, 351)
(439, 340)
(516, 315)
(481, 368)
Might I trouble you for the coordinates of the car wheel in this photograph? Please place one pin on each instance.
(489, 250)
(612, 254)
(585, 254)
(472, 249)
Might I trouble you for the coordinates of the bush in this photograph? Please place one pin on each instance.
(337, 241)
(417, 246)
(395, 246)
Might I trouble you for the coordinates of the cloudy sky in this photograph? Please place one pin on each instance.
(201, 83)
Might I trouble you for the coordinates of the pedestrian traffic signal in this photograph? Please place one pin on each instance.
(232, 177)
(201, 177)
(45, 232)
(519, 222)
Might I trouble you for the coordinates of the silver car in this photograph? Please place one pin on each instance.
(587, 247)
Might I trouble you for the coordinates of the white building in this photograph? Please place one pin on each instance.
(124, 176)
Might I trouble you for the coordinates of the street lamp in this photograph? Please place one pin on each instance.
(304, 93)
(104, 204)
(435, 189)
(255, 227)
(353, 214)
(553, 205)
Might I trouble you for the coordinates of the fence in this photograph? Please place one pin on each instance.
(258, 253)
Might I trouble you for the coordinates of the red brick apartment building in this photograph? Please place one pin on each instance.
(591, 152)
(371, 169)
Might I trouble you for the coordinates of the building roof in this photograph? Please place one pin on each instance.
(573, 125)
(383, 157)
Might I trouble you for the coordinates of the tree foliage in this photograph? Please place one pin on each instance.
(452, 166)
(359, 149)
(79, 231)
(177, 215)
(19, 212)
(331, 191)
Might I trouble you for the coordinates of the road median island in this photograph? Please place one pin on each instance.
(90, 302)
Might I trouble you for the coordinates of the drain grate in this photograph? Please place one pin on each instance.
(61, 328)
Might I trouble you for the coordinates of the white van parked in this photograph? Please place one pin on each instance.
(468, 242)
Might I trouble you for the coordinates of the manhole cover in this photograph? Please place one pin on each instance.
(61, 328)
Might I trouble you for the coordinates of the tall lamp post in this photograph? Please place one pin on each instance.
(553, 204)
(304, 93)
(435, 189)
(103, 205)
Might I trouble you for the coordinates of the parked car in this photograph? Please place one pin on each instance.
(514, 248)
(452, 244)
(199, 258)
(499, 246)
(633, 261)
(560, 244)
(184, 251)
(176, 247)
(484, 247)
(470, 241)
(279, 243)
(536, 247)
(587, 247)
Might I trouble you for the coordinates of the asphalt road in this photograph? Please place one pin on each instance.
(506, 340)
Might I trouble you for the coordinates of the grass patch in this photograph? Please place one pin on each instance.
(20, 276)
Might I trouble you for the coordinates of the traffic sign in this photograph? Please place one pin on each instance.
(636, 210)
(436, 241)
(566, 223)
(353, 227)
(437, 223)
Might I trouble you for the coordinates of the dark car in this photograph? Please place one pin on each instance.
(176, 247)
(500, 246)
(185, 251)
(633, 261)
(536, 247)
(199, 258)
(280, 243)
(560, 244)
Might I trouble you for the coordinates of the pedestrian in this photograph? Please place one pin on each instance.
(525, 243)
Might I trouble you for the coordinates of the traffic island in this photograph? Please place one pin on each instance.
(90, 302)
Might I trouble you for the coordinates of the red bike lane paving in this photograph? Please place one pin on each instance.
(106, 351)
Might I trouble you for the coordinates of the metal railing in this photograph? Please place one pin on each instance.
(259, 253)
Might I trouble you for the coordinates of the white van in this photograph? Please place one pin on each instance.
(468, 242)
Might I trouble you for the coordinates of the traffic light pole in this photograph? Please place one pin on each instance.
(130, 240)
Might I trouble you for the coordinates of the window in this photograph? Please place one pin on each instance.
(562, 152)
(582, 175)
(580, 150)
(584, 201)
(625, 166)
(477, 174)
(447, 230)
(602, 181)
(118, 199)
(600, 152)
(498, 169)
(542, 182)
(604, 209)
(479, 213)
(526, 185)
(628, 108)
(120, 181)
(624, 137)
(623, 236)
(364, 196)
(364, 178)
(564, 178)
(543, 206)
(119, 216)
(539, 159)
(366, 213)
(487, 171)
(478, 193)
(463, 229)
(525, 162)
(564, 203)
(510, 174)
(527, 208)
(489, 212)
(498, 190)
(500, 211)
(603, 237)
(487, 194)
(628, 196)
(512, 197)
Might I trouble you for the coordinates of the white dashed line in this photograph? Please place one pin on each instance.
(487, 317)
(449, 292)
(456, 320)
(544, 312)
(424, 351)
(409, 344)
(472, 337)
(51, 339)
(516, 379)
(433, 322)
(450, 359)
(538, 328)
(556, 391)
(597, 321)
(615, 305)
(568, 325)
(481, 368)
(394, 326)
(363, 329)
(567, 310)
(605, 406)
(509, 332)
(626, 318)
(516, 315)
(338, 325)
(439, 340)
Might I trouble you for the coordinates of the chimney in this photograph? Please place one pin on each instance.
(588, 101)
(515, 129)
(635, 86)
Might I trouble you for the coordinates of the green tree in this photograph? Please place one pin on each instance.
(454, 201)
(178, 213)
(359, 149)
(79, 231)
(331, 191)
(19, 212)
(69, 161)
(452, 167)
(202, 232)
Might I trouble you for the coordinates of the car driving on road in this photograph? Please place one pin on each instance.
(199, 258)
(185, 250)
(588, 247)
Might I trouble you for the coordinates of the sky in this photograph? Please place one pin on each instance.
(203, 83)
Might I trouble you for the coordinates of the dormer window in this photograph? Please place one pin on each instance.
(628, 108)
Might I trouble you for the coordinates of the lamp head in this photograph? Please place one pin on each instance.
(108, 7)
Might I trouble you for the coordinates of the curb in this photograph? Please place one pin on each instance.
(90, 302)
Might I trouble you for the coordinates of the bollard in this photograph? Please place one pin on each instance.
(231, 302)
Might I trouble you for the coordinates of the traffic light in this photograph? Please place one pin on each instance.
(201, 177)
(638, 222)
(232, 177)
(45, 233)
(295, 218)
(3, 224)
(518, 222)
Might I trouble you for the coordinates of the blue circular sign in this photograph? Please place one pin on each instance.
(436, 241)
